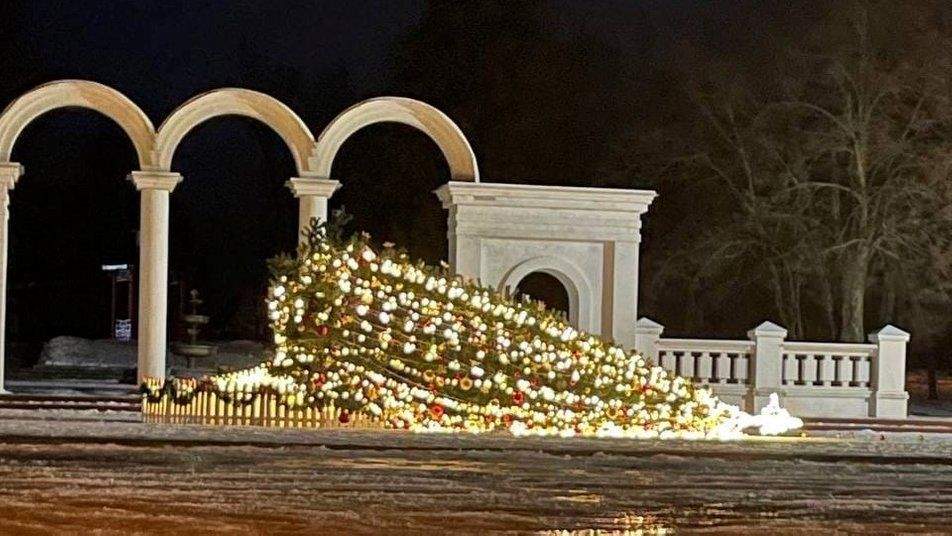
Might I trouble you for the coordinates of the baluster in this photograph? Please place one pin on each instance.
(864, 367)
(666, 360)
(722, 367)
(791, 372)
(704, 363)
(856, 371)
(838, 373)
(827, 370)
(741, 368)
(809, 369)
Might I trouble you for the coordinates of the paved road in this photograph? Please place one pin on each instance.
(122, 478)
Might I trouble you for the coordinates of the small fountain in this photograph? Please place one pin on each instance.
(195, 321)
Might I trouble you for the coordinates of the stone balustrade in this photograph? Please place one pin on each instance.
(813, 379)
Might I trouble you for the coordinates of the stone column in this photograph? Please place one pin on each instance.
(464, 243)
(464, 260)
(888, 374)
(154, 188)
(9, 173)
(312, 195)
(625, 293)
(765, 367)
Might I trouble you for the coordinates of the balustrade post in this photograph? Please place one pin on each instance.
(647, 334)
(765, 369)
(887, 374)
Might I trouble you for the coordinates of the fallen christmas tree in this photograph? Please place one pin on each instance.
(369, 338)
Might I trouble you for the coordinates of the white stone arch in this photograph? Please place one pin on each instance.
(241, 102)
(157, 183)
(46, 98)
(582, 303)
(81, 94)
(432, 122)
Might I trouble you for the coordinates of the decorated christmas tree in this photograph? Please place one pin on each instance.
(404, 345)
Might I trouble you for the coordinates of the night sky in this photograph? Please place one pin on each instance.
(543, 90)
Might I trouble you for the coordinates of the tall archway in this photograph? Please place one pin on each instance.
(73, 214)
(421, 116)
(230, 214)
(218, 103)
(45, 98)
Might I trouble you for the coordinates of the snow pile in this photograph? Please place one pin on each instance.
(772, 420)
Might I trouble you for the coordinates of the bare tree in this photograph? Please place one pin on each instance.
(837, 171)
(882, 171)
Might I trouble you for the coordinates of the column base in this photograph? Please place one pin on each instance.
(889, 405)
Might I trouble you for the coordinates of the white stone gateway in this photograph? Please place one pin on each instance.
(587, 238)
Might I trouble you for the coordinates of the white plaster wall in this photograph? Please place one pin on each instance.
(825, 402)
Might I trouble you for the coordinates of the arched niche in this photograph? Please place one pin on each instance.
(436, 125)
(582, 300)
(546, 288)
(241, 102)
(82, 94)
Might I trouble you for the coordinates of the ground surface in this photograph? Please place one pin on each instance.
(919, 401)
(86, 475)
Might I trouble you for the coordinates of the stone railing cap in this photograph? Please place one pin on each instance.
(647, 325)
(768, 329)
(889, 333)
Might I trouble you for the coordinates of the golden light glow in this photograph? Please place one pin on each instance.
(411, 347)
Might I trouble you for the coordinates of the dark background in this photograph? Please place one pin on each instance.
(545, 91)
